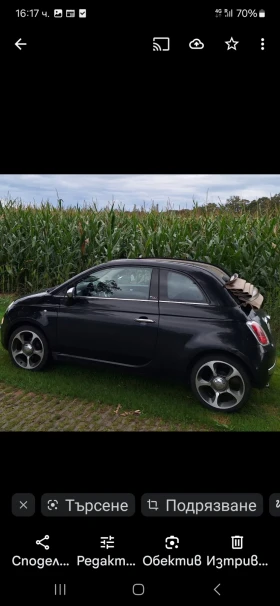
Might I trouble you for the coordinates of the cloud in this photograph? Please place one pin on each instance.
(196, 44)
(180, 190)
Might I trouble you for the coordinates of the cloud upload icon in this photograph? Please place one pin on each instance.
(196, 44)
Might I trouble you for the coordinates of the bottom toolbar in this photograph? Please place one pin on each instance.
(148, 587)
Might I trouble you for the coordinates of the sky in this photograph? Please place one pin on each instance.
(130, 190)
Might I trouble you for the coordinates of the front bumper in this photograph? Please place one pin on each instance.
(3, 333)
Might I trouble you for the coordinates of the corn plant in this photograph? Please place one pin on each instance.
(43, 246)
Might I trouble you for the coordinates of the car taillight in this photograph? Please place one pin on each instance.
(259, 333)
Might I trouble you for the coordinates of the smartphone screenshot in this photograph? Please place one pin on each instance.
(139, 304)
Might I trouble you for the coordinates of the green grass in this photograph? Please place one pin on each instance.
(156, 396)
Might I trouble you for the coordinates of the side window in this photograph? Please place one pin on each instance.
(180, 287)
(117, 282)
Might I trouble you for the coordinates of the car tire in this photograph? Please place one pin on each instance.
(24, 357)
(220, 382)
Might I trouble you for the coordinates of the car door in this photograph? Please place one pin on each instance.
(184, 310)
(113, 316)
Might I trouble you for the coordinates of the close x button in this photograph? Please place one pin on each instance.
(23, 504)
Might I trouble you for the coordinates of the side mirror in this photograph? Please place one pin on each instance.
(71, 292)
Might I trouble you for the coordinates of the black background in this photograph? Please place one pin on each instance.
(99, 101)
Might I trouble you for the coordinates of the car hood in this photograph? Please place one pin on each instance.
(32, 296)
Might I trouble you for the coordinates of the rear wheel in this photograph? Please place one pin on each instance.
(28, 348)
(220, 383)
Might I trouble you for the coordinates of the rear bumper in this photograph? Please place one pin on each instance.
(265, 367)
(272, 369)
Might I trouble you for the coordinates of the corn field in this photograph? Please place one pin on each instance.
(44, 246)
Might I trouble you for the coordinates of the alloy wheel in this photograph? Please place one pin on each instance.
(220, 384)
(27, 349)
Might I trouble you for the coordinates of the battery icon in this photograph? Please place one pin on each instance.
(262, 13)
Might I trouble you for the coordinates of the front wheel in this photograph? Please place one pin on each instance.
(28, 348)
(220, 383)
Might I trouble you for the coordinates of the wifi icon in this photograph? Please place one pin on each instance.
(161, 44)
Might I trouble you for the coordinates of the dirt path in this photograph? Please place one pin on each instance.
(26, 411)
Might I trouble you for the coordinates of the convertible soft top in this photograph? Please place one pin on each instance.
(246, 292)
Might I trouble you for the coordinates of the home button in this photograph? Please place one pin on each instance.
(138, 589)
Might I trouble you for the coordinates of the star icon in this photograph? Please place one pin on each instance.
(231, 44)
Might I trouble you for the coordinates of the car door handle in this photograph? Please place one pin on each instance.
(144, 320)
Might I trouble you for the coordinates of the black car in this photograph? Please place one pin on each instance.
(159, 313)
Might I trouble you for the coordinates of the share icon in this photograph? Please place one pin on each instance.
(40, 542)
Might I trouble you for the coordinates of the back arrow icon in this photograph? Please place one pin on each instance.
(216, 588)
(19, 44)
